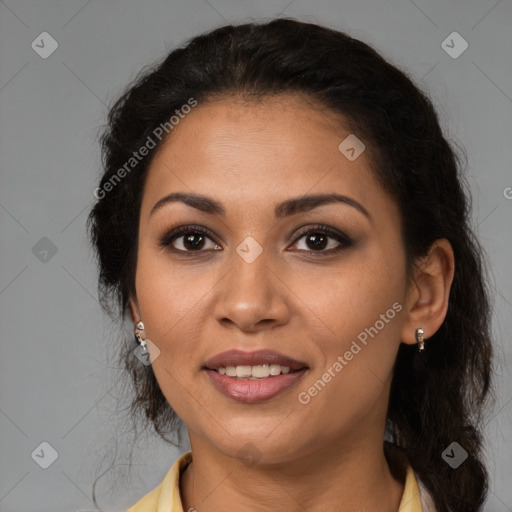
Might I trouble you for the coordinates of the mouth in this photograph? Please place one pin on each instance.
(253, 376)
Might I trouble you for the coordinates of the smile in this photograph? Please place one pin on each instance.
(256, 376)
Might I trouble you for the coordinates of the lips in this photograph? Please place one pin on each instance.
(258, 357)
(271, 373)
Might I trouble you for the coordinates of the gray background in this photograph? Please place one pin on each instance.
(56, 382)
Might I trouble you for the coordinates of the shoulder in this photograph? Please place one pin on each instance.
(416, 497)
(167, 495)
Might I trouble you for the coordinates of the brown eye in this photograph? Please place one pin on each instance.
(323, 239)
(317, 240)
(189, 239)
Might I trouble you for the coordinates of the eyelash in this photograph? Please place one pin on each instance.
(167, 240)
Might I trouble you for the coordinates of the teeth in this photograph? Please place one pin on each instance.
(275, 369)
(260, 371)
(243, 371)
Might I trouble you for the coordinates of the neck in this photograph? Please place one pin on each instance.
(355, 477)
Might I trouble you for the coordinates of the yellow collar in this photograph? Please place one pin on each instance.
(166, 497)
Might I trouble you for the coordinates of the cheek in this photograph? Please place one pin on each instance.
(171, 301)
(167, 292)
(350, 297)
(359, 306)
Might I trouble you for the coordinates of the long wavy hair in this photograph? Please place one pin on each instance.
(437, 397)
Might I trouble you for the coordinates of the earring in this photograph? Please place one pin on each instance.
(420, 340)
(139, 328)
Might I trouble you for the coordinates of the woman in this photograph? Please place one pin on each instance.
(287, 227)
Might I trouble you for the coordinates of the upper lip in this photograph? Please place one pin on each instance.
(257, 357)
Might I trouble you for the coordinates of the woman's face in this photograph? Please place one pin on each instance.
(259, 281)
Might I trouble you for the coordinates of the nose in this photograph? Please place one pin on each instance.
(251, 296)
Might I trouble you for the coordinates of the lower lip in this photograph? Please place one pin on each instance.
(251, 391)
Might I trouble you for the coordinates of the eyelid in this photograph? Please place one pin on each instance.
(322, 228)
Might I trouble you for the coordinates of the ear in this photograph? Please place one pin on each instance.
(134, 310)
(427, 298)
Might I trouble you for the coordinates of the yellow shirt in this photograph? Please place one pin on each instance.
(166, 497)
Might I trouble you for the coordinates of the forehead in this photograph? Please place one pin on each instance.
(249, 153)
(288, 125)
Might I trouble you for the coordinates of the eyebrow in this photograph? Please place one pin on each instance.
(286, 208)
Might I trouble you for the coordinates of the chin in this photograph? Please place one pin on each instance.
(257, 447)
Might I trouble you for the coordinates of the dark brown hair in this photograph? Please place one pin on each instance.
(437, 397)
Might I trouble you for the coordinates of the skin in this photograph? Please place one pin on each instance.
(250, 157)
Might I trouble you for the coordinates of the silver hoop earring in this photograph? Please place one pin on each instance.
(419, 340)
